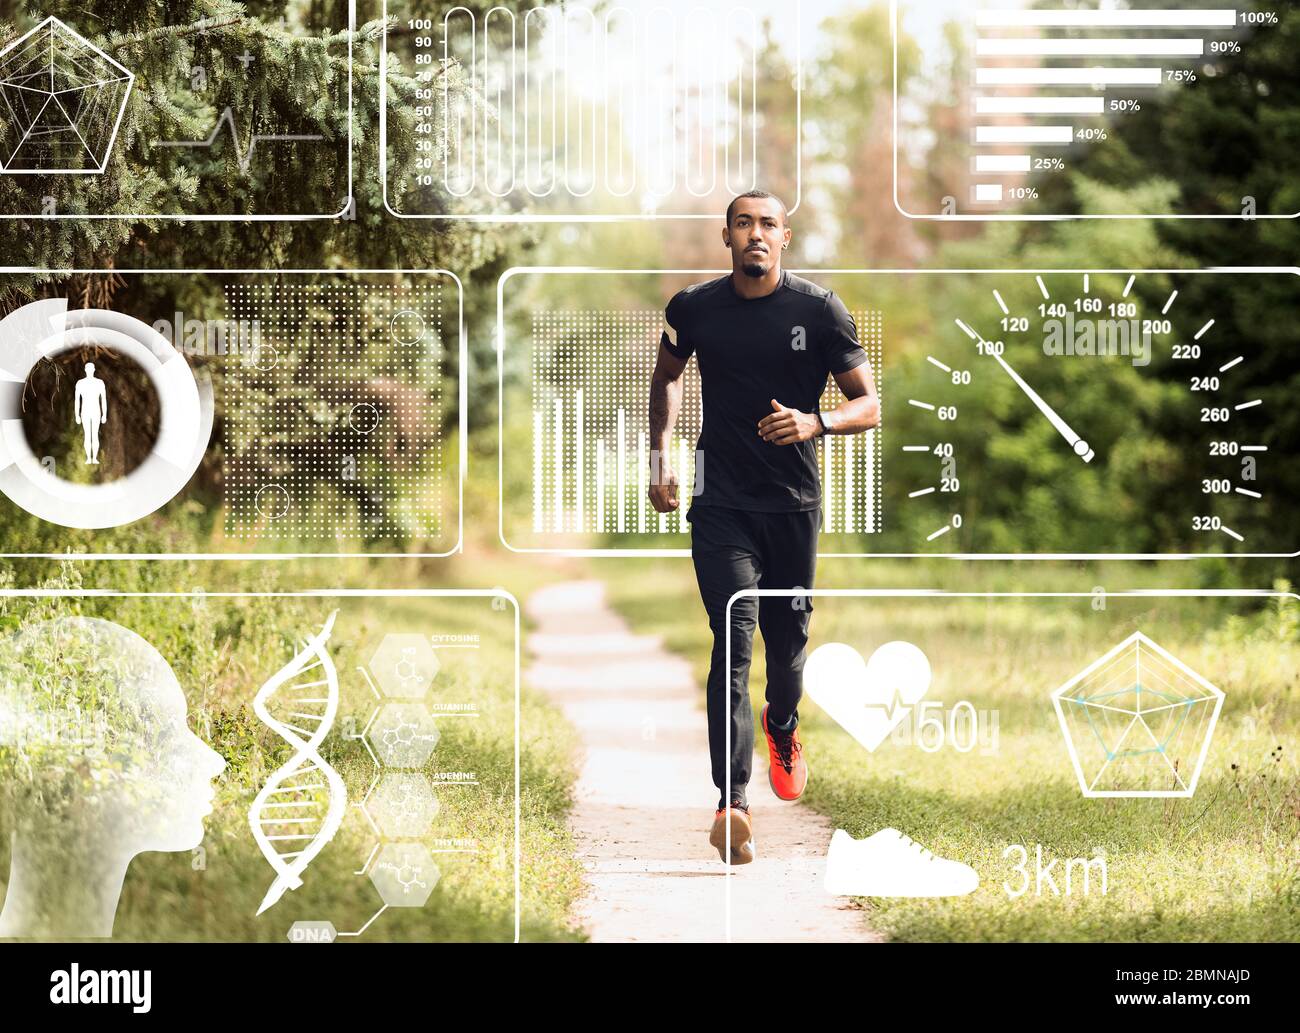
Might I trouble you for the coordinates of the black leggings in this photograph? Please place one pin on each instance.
(735, 550)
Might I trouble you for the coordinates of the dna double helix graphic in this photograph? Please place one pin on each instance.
(299, 809)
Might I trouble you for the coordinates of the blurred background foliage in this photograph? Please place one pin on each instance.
(1206, 143)
(1235, 132)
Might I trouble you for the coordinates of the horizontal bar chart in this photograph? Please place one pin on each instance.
(1023, 71)
(1024, 134)
(1002, 162)
(1090, 47)
(1068, 76)
(1040, 105)
(1223, 18)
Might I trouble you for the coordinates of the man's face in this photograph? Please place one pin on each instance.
(756, 235)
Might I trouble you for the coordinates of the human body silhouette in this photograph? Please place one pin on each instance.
(90, 410)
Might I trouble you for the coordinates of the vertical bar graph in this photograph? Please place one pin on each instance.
(580, 468)
(587, 108)
(684, 453)
(642, 480)
(559, 464)
(538, 443)
(848, 464)
(621, 523)
(591, 460)
(600, 481)
(828, 484)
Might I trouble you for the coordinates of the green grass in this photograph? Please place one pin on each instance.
(222, 650)
(1223, 865)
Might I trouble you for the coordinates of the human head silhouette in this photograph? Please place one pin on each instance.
(105, 768)
(90, 369)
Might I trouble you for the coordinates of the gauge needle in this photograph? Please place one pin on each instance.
(1081, 448)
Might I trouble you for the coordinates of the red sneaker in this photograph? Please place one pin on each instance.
(787, 772)
(742, 835)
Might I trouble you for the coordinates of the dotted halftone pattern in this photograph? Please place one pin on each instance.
(334, 426)
(590, 378)
(590, 435)
(852, 499)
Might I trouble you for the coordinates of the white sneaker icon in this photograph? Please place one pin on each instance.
(889, 864)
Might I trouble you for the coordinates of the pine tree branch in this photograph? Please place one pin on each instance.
(175, 32)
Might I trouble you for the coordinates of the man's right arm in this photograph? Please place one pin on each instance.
(666, 384)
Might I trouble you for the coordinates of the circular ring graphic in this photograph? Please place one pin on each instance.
(265, 357)
(44, 329)
(363, 418)
(275, 504)
(407, 327)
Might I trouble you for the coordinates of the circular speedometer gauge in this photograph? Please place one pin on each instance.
(1090, 413)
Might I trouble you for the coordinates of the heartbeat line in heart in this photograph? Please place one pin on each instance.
(245, 157)
(892, 707)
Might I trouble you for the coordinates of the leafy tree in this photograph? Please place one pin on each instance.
(279, 68)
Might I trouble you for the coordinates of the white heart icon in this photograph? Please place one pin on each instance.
(869, 699)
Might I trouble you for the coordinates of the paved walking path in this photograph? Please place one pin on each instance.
(644, 801)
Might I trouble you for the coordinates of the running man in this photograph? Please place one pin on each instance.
(765, 342)
(90, 410)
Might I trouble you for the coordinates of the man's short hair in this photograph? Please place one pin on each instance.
(760, 194)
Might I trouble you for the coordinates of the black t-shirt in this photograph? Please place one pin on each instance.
(782, 345)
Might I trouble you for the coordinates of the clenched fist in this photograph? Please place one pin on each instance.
(663, 488)
(785, 426)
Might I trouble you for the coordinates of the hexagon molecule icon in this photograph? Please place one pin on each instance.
(404, 665)
(63, 98)
(403, 735)
(403, 805)
(404, 874)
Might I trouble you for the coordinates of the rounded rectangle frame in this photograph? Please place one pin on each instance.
(496, 595)
(501, 345)
(913, 593)
(349, 201)
(462, 402)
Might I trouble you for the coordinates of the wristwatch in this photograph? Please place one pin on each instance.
(827, 420)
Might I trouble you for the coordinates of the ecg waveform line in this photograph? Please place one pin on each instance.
(244, 157)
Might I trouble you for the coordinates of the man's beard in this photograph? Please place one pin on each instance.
(754, 268)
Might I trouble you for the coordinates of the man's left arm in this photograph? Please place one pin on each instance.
(844, 356)
(860, 410)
